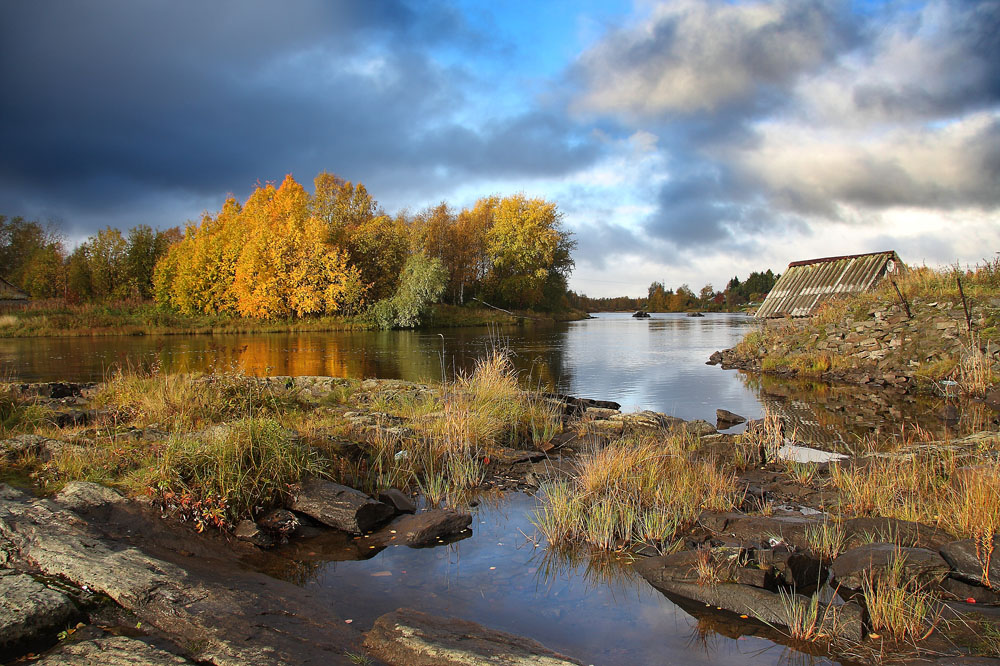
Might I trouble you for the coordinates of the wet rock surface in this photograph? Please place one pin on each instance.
(408, 637)
(111, 651)
(423, 529)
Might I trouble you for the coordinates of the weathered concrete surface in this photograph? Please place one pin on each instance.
(339, 506)
(30, 610)
(192, 588)
(111, 651)
(407, 637)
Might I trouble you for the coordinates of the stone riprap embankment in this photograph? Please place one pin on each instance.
(879, 345)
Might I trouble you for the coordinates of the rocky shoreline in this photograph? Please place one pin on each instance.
(908, 347)
(132, 584)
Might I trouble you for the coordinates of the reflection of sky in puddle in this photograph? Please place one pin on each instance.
(598, 614)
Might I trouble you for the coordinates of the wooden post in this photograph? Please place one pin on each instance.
(965, 306)
(901, 299)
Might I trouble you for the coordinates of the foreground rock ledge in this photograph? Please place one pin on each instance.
(407, 637)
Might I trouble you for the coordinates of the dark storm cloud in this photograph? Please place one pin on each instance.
(117, 101)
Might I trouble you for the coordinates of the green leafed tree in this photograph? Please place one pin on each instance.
(421, 284)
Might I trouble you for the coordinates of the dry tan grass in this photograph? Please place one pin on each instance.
(636, 488)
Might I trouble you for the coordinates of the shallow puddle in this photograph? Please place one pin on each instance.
(594, 609)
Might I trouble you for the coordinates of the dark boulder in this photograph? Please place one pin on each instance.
(398, 500)
(280, 522)
(923, 566)
(727, 419)
(967, 565)
(341, 507)
(962, 591)
(250, 532)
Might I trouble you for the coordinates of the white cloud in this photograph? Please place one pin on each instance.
(691, 55)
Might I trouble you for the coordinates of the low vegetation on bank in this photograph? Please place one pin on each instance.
(940, 329)
(236, 444)
(57, 318)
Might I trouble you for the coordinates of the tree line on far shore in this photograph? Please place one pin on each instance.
(683, 299)
(287, 253)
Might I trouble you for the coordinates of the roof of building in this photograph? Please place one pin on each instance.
(9, 292)
(807, 284)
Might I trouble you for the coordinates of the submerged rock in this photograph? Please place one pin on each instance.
(407, 637)
(726, 419)
(341, 507)
(844, 621)
(425, 528)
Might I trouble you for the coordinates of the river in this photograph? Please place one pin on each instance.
(588, 606)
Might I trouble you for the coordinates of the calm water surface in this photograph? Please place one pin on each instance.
(657, 363)
(596, 610)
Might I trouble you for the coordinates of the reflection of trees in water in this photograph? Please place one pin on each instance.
(838, 416)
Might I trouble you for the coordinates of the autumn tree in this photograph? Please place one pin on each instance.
(527, 249)
(31, 257)
(657, 297)
(375, 243)
(107, 251)
(271, 257)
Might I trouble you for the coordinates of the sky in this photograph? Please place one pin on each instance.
(684, 141)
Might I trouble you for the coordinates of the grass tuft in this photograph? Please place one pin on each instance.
(898, 606)
(638, 488)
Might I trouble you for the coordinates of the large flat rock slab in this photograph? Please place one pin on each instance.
(924, 566)
(407, 637)
(228, 614)
(111, 651)
(968, 562)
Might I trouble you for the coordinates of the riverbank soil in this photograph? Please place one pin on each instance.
(121, 525)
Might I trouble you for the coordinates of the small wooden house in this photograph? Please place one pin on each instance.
(807, 284)
(11, 294)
